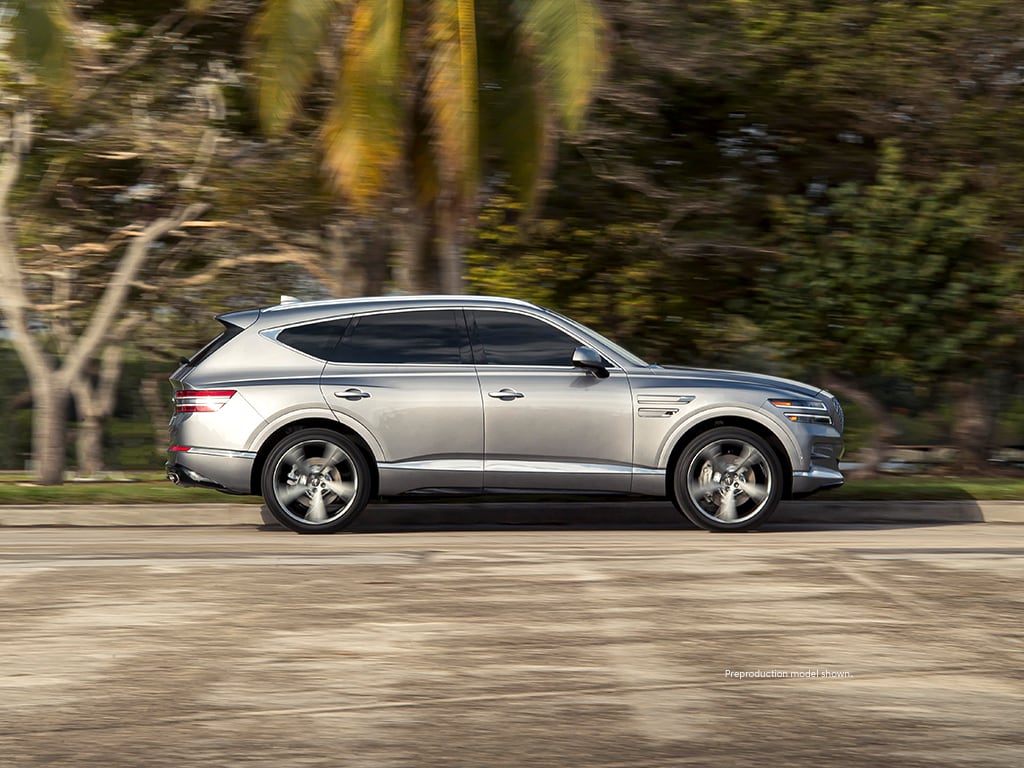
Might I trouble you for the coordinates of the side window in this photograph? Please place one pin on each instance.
(316, 339)
(508, 338)
(425, 337)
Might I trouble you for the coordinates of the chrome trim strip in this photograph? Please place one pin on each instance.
(250, 455)
(363, 370)
(656, 413)
(510, 465)
(648, 399)
(555, 467)
(820, 473)
(436, 465)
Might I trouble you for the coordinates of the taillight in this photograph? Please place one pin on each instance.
(201, 400)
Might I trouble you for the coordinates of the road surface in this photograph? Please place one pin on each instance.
(547, 646)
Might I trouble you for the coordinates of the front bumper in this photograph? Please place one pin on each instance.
(816, 479)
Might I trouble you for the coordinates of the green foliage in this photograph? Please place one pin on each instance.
(15, 411)
(1010, 430)
(569, 39)
(43, 41)
(893, 278)
(286, 38)
(667, 302)
(129, 445)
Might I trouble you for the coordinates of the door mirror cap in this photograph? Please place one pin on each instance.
(590, 359)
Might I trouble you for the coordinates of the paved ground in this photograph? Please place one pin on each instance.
(850, 645)
(499, 514)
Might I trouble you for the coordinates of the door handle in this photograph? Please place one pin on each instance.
(352, 394)
(506, 394)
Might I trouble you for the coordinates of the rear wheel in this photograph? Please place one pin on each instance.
(316, 481)
(728, 479)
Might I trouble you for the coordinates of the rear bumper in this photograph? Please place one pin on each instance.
(194, 468)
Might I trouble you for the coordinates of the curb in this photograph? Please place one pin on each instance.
(630, 514)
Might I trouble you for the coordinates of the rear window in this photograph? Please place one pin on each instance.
(230, 331)
(428, 337)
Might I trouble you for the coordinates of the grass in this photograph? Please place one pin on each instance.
(143, 488)
(928, 488)
(151, 488)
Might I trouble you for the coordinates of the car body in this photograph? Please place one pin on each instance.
(321, 406)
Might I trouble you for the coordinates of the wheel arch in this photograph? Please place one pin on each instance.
(740, 422)
(313, 423)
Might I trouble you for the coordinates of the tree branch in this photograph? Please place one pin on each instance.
(116, 293)
(13, 299)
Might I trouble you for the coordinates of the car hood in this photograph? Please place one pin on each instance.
(713, 376)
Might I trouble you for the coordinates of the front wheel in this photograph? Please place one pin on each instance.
(727, 479)
(316, 481)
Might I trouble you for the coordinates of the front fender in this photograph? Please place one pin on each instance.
(734, 411)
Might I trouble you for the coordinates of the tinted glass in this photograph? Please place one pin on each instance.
(316, 339)
(512, 339)
(428, 337)
(230, 331)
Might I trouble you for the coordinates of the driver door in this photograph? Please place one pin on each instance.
(548, 424)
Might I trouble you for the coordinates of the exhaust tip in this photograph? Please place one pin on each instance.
(174, 478)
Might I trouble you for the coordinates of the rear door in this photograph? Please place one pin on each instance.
(407, 378)
(548, 424)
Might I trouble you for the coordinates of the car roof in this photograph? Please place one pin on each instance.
(290, 311)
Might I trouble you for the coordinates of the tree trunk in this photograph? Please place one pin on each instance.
(448, 235)
(95, 403)
(882, 430)
(418, 270)
(49, 419)
(89, 445)
(972, 425)
(358, 255)
(89, 436)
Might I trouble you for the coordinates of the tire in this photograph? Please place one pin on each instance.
(316, 481)
(727, 479)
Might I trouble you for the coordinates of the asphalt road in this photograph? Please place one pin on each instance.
(841, 645)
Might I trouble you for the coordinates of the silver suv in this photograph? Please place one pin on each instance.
(322, 406)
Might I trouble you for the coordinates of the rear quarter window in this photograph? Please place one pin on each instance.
(315, 339)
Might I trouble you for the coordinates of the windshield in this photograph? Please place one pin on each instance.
(622, 352)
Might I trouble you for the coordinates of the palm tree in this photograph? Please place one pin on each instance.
(41, 39)
(425, 92)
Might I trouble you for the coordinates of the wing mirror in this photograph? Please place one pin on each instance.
(591, 360)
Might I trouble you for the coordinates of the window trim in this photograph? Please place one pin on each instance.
(480, 356)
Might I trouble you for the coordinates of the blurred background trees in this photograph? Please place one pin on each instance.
(827, 190)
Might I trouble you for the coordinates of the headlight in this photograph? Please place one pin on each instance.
(803, 411)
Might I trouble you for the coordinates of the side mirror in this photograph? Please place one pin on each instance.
(591, 360)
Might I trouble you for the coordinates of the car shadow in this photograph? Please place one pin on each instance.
(638, 514)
